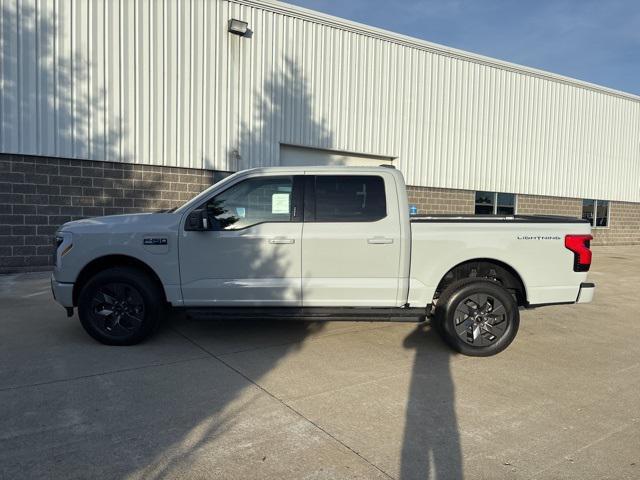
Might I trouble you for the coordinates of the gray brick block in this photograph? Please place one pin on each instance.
(47, 168)
(92, 211)
(12, 177)
(24, 229)
(48, 210)
(11, 219)
(84, 181)
(11, 240)
(48, 189)
(24, 250)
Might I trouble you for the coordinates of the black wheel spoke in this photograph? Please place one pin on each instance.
(132, 320)
(480, 319)
(104, 311)
(107, 299)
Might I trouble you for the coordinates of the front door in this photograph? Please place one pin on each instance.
(351, 242)
(252, 254)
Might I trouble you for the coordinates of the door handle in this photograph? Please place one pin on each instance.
(281, 240)
(379, 240)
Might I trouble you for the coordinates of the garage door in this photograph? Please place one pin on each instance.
(292, 156)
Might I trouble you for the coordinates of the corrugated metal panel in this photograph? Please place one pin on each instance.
(162, 82)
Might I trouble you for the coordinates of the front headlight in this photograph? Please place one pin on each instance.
(63, 245)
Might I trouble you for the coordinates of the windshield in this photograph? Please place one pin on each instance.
(200, 197)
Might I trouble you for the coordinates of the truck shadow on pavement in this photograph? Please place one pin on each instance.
(213, 396)
(430, 441)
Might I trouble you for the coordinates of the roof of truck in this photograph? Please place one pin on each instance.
(321, 168)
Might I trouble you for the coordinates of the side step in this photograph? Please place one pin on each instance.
(367, 314)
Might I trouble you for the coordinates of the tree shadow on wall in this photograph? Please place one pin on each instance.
(283, 113)
(47, 97)
(55, 104)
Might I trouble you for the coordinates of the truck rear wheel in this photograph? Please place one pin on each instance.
(477, 317)
(120, 306)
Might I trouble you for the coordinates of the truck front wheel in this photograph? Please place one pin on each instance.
(477, 317)
(120, 306)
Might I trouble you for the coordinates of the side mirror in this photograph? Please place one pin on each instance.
(197, 221)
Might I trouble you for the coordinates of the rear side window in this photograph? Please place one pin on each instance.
(349, 198)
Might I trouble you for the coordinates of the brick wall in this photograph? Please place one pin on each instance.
(538, 205)
(624, 217)
(624, 220)
(38, 194)
(624, 225)
(441, 200)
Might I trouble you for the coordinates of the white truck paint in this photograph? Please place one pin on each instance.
(297, 258)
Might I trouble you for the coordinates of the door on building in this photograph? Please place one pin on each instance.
(252, 256)
(350, 245)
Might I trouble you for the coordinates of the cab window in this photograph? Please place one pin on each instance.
(349, 198)
(250, 202)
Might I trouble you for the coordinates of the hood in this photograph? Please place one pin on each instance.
(134, 223)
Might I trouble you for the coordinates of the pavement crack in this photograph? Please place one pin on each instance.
(284, 404)
(587, 446)
(98, 374)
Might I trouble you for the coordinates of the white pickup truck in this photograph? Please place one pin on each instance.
(323, 243)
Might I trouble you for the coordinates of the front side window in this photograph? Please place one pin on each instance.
(494, 203)
(251, 201)
(349, 198)
(596, 212)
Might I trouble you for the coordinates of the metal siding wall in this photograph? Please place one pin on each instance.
(162, 82)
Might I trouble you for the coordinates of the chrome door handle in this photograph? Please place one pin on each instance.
(280, 240)
(379, 240)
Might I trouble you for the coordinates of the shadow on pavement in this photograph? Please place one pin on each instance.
(431, 445)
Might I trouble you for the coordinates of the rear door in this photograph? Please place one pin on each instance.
(350, 241)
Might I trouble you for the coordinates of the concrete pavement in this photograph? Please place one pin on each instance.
(263, 399)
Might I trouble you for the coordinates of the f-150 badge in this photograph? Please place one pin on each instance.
(154, 241)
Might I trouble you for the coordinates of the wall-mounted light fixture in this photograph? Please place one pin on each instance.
(238, 27)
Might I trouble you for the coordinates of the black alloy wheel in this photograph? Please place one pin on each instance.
(477, 317)
(121, 306)
(117, 309)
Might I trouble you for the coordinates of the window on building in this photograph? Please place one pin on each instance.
(494, 203)
(350, 198)
(596, 212)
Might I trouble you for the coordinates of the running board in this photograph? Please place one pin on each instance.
(394, 314)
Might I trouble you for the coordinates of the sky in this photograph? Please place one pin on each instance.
(597, 41)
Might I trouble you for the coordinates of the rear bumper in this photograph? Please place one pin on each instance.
(585, 295)
(62, 292)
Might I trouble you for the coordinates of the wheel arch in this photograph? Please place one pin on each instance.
(108, 261)
(486, 268)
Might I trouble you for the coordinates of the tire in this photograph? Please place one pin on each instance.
(121, 306)
(466, 320)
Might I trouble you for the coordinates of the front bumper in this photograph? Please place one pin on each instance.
(585, 295)
(62, 292)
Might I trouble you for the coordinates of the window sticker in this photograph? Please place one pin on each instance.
(280, 203)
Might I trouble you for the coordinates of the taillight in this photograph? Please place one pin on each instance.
(579, 245)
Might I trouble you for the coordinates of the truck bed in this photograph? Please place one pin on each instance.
(532, 246)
